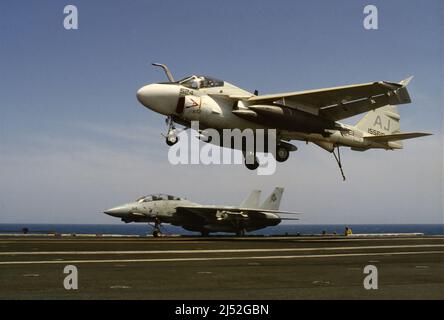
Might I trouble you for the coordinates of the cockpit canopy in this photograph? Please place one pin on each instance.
(157, 197)
(201, 82)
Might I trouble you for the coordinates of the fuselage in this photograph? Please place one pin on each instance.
(164, 209)
(225, 106)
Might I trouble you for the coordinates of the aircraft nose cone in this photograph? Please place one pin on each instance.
(161, 98)
(142, 94)
(117, 211)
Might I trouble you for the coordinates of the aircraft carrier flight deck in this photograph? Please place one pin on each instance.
(409, 267)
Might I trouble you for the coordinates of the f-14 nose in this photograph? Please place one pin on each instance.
(117, 211)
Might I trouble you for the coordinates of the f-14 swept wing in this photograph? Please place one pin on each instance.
(219, 213)
(269, 209)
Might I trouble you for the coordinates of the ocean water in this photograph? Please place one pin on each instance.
(144, 229)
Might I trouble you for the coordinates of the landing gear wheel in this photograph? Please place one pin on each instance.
(282, 154)
(172, 139)
(157, 224)
(241, 233)
(251, 166)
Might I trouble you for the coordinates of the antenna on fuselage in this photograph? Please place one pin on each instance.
(167, 71)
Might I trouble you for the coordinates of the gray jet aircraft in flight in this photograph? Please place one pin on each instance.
(249, 216)
(309, 116)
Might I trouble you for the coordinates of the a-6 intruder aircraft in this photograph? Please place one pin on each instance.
(310, 116)
(249, 216)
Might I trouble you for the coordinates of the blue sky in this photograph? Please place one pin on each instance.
(74, 139)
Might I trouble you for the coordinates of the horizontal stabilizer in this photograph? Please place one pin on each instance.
(283, 212)
(397, 137)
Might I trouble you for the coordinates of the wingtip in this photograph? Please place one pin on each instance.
(406, 82)
(424, 134)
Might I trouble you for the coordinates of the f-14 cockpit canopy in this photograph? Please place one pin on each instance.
(201, 82)
(157, 197)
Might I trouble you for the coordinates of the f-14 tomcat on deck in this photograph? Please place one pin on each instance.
(310, 116)
(249, 216)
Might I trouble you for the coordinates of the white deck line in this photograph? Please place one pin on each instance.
(222, 258)
(31, 253)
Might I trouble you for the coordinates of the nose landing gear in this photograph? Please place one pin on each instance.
(157, 232)
(171, 137)
(171, 140)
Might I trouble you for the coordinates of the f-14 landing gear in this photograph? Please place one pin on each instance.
(157, 232)
(338, 161)
(240, 227)
(205, 233)
(171, 137)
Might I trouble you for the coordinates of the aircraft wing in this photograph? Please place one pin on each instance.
(212, 213)
(341, 102)
(397, 137)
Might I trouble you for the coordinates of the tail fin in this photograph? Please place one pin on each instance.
(252, 201)
(382, 121)
(274, 200)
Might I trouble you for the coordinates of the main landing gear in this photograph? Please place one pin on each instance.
(251, 161)
(338, 160)
(240, 227)
(205, 233)
(282, 155)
